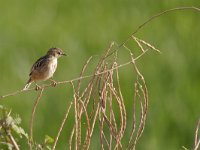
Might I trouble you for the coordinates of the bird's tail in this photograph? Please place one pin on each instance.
(28, 84)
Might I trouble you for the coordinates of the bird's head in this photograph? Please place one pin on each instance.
(55, 52)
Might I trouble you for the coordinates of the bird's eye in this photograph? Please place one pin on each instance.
(58, 53)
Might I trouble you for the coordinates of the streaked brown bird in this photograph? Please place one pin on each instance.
(44, 68)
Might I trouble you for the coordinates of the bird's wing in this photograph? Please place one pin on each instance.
(39, 64)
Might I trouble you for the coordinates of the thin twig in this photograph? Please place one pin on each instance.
(87, 136)
(76, 117)
(101, 121)
(151, 19)
(156, 16)
(122, 102)
(32, 118)
(81, 74)
(14, 143)
(61, 126)
(196, 139)
(134, 115)
(72, 80)
(71, 138)
(14, 93)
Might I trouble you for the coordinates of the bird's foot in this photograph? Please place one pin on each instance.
(37, 87)
(27, 86)
(53, 83)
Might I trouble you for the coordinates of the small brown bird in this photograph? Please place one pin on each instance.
(44, 68)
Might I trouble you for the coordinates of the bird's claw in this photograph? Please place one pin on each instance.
(37, 88)
(53, 83)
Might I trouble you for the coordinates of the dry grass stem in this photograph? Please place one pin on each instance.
(14, 143)
(61, 127)
(139, 41)
(197, 138)
(70, 139)
(196, 9)
(32, 118)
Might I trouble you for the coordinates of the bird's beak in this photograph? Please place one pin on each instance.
(63, 54)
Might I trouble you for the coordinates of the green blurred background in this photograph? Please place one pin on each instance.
(85, 28)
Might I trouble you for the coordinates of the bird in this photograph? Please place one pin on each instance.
(45, 67)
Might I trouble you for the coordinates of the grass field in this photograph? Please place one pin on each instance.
(85, 28)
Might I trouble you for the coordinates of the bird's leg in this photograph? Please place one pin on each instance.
(37, 87)
(27, 86)
(53, 82)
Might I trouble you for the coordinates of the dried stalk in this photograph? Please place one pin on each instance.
(76, 117)
(134, 116)
(196, 139)
(32, 118)
(88, 130)
(61, 126)
(12, 140)
(123, 105)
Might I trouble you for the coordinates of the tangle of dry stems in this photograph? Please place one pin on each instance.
(96, 101)
(100, 102)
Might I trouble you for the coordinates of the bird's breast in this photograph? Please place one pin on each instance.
(53, 66)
